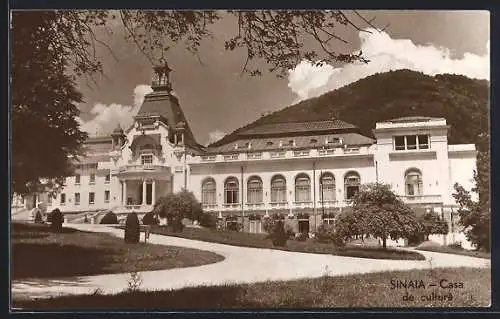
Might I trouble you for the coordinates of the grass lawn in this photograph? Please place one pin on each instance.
(457, 251)
(368, 290)
(39, 252)
(310, 246)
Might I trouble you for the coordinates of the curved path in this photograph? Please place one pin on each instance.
(242, 265)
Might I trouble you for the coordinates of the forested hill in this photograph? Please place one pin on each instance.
(462, 101)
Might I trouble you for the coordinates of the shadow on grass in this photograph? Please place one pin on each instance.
(209, 298)
(54, 260)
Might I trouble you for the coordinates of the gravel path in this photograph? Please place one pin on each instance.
(242, 265)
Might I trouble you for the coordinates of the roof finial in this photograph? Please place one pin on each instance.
(161, 77)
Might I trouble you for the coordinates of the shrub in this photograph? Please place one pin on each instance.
(431, 223)
(132, 229)
(456, 245)
(278, 234)
(56, 219)
(208, 220)
(175, 223)
(110, 219)
(182, 204)
(289, 231)
(234, 226)
(325, 233)
(38, 217)
(150, 219)
(302, 236)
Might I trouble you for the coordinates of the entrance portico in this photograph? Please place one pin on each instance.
(141, 187)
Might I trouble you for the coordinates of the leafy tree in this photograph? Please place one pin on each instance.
(183, 204)
(177, 206)
(51, 49)
(44, 99)
(475, 217)
(431, 223)
(378, 211)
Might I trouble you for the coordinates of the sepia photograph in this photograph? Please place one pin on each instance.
(220, 160)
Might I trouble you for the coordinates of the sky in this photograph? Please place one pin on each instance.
(217, 99)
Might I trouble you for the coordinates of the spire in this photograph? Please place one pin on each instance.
(161, 77)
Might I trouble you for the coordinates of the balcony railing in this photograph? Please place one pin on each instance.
(209, 206)
(142, 168)
(209, 158)
(327, 203)
(278, 204)
(231, 206)
(301, 153)
(278, 154)
(254, 205)
(417, 199)
(254, 155)
(303, 204)
(231, 157)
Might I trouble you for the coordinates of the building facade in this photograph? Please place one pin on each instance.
(307, 172)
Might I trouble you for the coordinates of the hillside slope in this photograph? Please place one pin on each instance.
(462, 101)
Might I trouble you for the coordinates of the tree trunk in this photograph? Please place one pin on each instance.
(384, 243)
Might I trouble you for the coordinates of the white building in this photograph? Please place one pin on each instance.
(307, 171)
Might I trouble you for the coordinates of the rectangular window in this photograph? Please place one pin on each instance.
(411, 142)
(231, 196)
(63, 199)
(399, 143)
(146, 159)
(91, 198)
(255, 226)
(92, 179)
(351, 191)
(329, 221)
(106, 196)
(423, 142)
(49, 199)
(108, 178)
(77, 198)
(77, 179)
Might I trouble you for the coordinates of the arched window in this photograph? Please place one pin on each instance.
(231, 191)
(208, 192)
(302, 188)
(278, 189)
(327, 187)
(254, 190)
(413, 182)
(352, 182)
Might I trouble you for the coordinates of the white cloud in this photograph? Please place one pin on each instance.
(385, 54)
(107, 117)
(215, 136)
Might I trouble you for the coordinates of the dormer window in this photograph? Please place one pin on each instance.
(235, 147)
(248, 145)
(291, 143)
(411, 142)
(281, 143)
(269, 143)
(332, 140)
(146, 159)
(314, 141)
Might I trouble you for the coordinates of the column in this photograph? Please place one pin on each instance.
(124, 195)
(153, 192)
(144, 192)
